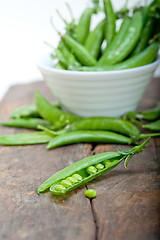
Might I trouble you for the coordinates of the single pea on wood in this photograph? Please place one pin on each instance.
(90, 193)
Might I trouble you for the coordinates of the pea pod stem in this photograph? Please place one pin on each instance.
(108, 159)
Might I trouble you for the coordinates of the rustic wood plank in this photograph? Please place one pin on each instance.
(127, 205)
(23, 213)
(128, 201)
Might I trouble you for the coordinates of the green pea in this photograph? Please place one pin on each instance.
(90, 193)
(72, 180)
(59, 188)
(91, 170)
(66, 183)
(99, 166)
(107, 163)
(77, 177)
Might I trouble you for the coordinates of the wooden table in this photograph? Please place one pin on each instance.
(127, 205)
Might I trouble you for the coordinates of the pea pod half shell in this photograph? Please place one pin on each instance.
(87, 169)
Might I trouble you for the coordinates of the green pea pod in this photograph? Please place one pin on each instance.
(148, 55)
(83, 26)
(60, 56)
(152, 114)
(117, 125)
(127, 44)
(144, 136)
(50, 113)
(87, 136)
(25, 112)
(154, 126)
(86, 170)
(70, 60)
(59, 66)
(25, 139)
(94, 40)
(110, 21)
(28, 111)
(145, 36)
(80, 51)
(31, 123)
(117, 39)
(148, 115)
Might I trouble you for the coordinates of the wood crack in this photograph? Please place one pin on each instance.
(94, 219)
(94, 215)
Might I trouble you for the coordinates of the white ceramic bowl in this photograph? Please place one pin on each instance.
(87, 94)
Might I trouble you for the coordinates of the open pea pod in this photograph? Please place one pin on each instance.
(87, 169)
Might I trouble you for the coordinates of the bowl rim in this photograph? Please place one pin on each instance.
(42, 66)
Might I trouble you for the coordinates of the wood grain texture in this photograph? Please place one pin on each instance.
(127, 205)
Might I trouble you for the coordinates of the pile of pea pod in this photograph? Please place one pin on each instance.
(50, 124)
(104, 48)
(57, 128)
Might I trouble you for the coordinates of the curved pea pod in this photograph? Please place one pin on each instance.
(110, 21)
(118, 53)
(83, 26)
(112, 124)
(148, 55)
(76, 168)
(86, 170)
(145, 36)
(117, 39)
(87, 136)
(70, 60)
(149, 115)
(94, 40)
(30, 123)
(82, 54)
(152, 114)
(50, 113)
(25, 139)
(154, 126)
(25, 111)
